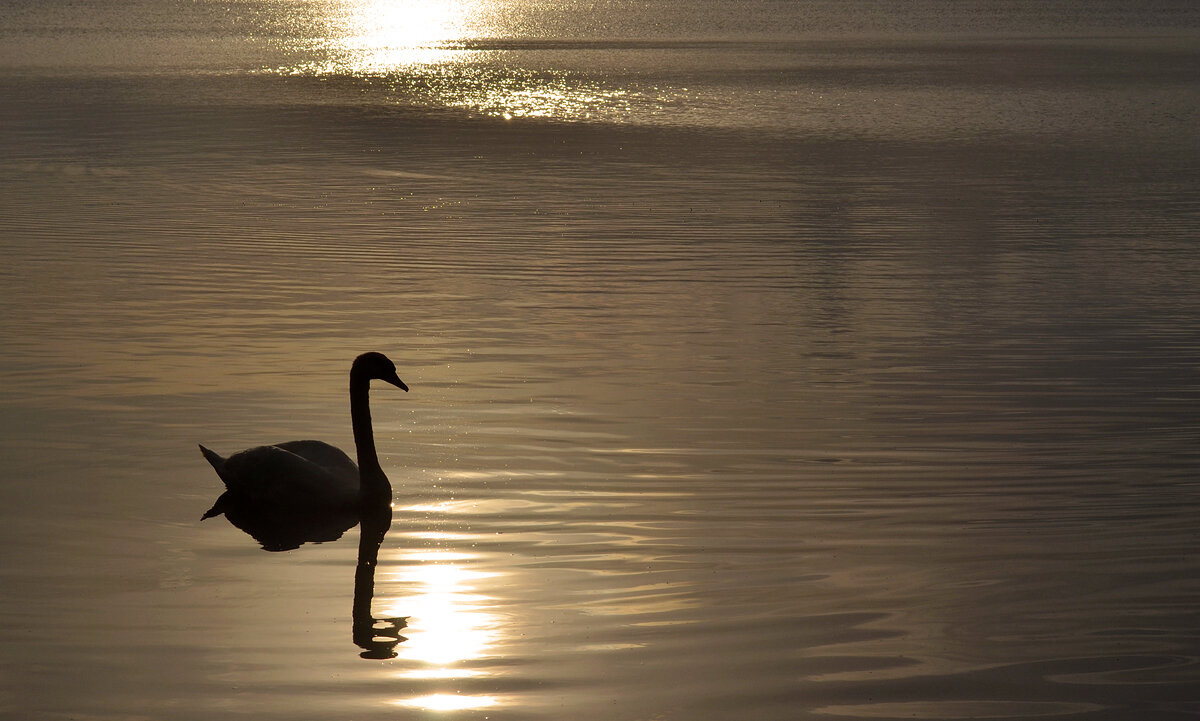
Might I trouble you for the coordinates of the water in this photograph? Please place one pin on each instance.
(768, 361)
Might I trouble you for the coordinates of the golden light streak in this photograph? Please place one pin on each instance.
(449, 624)
(374, 37)
(450, 702)
(438, 52)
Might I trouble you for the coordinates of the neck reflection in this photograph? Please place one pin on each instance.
(378, 637)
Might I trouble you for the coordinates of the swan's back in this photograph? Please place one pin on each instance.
(331, 458)
(298, 473)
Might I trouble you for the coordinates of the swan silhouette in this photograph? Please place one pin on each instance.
(312, 475)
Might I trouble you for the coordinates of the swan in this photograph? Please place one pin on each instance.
(312, 474)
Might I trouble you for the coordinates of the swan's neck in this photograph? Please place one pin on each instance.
(372, 478)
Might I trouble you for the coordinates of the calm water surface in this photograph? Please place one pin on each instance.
(803, 362)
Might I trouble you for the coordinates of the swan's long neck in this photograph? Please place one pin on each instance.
(373, 480)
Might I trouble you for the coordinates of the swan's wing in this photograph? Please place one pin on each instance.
(331, 458)
(272, 474)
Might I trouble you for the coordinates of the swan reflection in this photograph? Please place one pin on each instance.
(285, 529)
(378, 637)
(452, 626)
(452, 623)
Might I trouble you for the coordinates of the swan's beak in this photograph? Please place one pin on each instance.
(395, 380)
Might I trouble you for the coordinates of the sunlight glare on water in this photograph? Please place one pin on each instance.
(450, 625)
(370, 37)
(442, 51)
(450, 621)
(450, 702)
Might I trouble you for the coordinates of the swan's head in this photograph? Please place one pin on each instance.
(377, 365)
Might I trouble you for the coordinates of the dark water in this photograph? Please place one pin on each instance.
(768, 361)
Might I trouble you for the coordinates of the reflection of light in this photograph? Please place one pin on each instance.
(379, 36)
(448, 623)
(441, 507)
(442, 673)
(536, 96)
(437, 536)
(450, 702)
(386, 24)
(437, 555)
(429, 52)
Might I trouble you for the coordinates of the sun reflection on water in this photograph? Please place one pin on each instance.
(372, 37)
(450, 624)
(448, 53)
(450, 702)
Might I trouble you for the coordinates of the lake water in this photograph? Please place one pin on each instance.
(768, 360)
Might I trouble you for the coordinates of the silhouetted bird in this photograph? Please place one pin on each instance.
(312, 474)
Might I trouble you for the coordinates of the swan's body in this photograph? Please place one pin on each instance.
(312, 474)
(297, 473)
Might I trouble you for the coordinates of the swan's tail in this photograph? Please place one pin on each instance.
(213, 459)
(218, 464)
